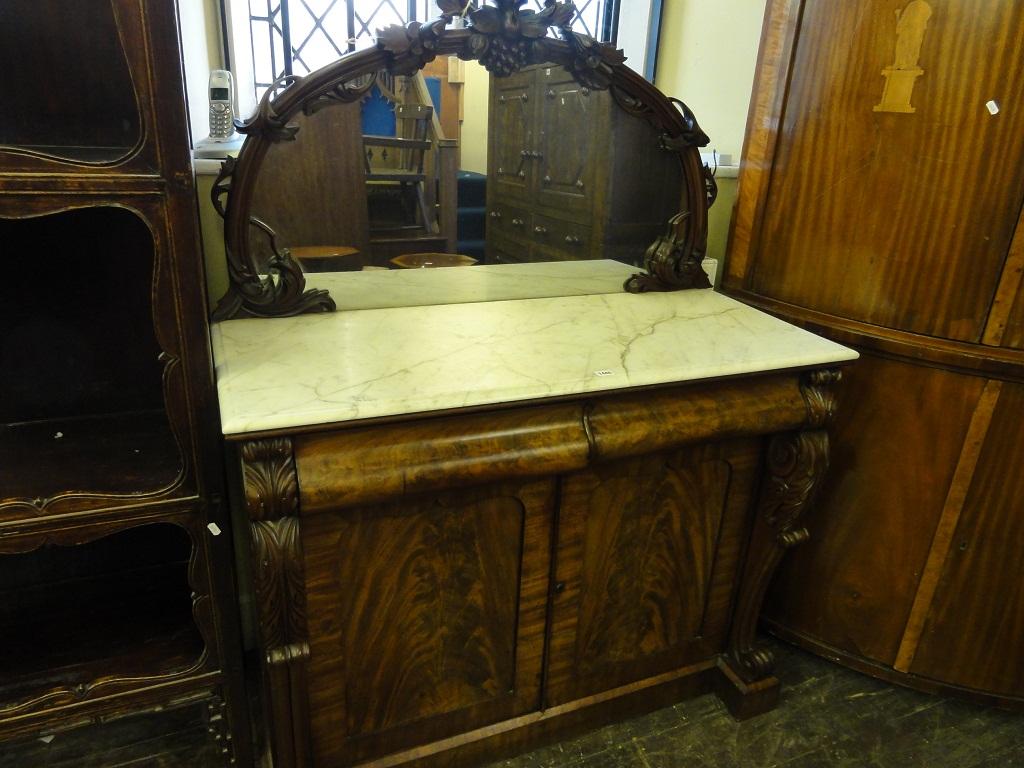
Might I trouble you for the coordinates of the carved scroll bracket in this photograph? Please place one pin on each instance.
(796, 464)
(671, 262)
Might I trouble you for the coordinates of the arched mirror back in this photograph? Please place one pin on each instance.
(656, 220)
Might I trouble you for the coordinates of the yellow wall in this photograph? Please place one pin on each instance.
(706, 57)
(475, 103)
(201, 52)
(212, 228)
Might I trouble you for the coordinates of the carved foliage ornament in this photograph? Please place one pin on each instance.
(504, 38)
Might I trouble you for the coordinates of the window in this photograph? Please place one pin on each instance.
(316, 32)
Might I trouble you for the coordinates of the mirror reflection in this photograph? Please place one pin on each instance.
(453, 167)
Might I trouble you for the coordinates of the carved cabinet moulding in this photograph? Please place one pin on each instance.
(796, 464)
(271, 496)
(504, 38)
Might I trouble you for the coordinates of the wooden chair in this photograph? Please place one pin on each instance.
(408, 175)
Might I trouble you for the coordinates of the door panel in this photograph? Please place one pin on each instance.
(975, 630)
(898, 218)
(646, 561)
(426, 617)
(566, 168)
(512, 135)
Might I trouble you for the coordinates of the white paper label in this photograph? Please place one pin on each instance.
(214, 529)
(992, 107)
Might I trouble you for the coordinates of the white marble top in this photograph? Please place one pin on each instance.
(351, 365)
(380, 289)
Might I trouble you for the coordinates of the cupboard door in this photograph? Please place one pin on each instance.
(885, 203)
(512, 136)
(426, 617)
(569, 161)
(974, 631)
(646, 560)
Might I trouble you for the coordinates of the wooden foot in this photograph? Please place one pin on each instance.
(745, 700)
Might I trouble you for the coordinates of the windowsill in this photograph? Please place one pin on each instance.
(208, 157)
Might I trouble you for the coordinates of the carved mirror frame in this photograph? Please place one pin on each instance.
(504, 39)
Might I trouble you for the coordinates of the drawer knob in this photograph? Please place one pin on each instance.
(517, 222)
(541, 230)
(572, 240)
(495, 214)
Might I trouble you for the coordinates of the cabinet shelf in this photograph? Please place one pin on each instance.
(83, 155)
(80, 103)
(82, 403)
(117, 607)
(120, 454)
(174, 737)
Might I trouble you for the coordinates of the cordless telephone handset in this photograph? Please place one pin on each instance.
(222, 86)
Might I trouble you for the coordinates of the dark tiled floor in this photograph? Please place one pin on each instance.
(829, 717)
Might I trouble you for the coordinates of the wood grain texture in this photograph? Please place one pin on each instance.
(973, 635)
(429, 617)
(981, 420)
(312, 191)
(771, 80)
(1014, 334)
(958, 356)
(879, 231)
(361, 466)
(863, 565)
(633, 424)
(1005, 324)
(431, 597)
(636, 554)
(855, 214)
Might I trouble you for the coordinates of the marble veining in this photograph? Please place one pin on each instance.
(351, 365)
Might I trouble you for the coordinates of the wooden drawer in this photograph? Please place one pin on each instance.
(507, 250)
(509, 220)
(561, 240)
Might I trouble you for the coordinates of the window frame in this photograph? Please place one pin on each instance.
(239, 40)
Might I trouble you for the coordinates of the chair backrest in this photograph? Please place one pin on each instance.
(413, 122)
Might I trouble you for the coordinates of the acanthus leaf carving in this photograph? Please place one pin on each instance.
(270, 486)
(269, 478)
(818, 390)
(281, 292)
(266, 123)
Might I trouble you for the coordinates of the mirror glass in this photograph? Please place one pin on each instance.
(453, 167)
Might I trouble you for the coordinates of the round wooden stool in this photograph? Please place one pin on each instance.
(327, 258)
(431, 260)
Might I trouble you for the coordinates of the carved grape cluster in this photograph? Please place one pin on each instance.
(505, 57)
